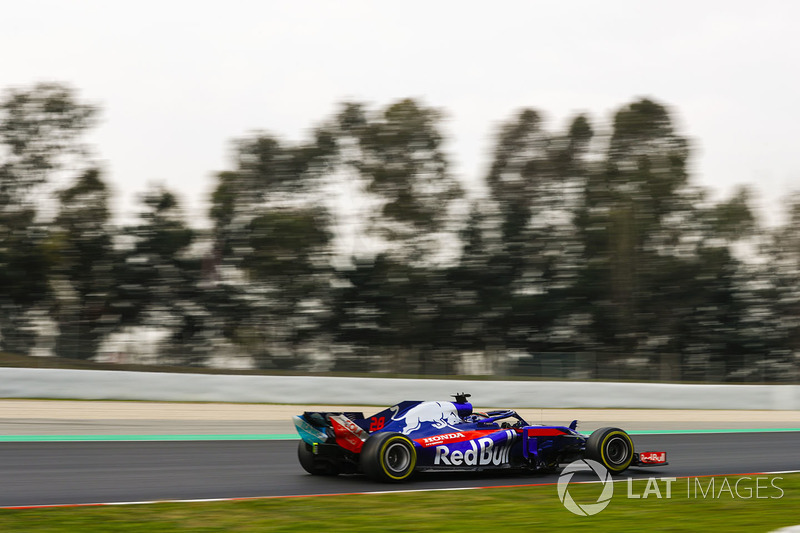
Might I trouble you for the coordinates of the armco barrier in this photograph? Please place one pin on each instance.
(159, 386)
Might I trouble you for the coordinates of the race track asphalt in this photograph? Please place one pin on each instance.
(53, 473)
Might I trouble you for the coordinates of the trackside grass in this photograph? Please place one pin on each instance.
(694, 505)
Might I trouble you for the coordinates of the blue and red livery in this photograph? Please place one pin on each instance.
(417, 436)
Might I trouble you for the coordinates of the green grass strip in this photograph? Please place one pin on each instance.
(724, 507)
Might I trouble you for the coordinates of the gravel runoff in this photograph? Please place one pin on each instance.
(58, 417)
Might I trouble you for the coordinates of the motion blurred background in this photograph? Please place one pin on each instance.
(593, 247)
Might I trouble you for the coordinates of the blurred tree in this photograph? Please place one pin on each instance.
(394, 316)
(80, 246)
(367, 312)
(396, 161)
(289, 259)
(272, 236)
(40, 131)
(397, 156)
(786, 267)
(698, 288)
(158, 278)
(476, 314)
(721, 325)
(536, 182)
(769, 291)
(662, 274)
(23, 277)
(627, 207)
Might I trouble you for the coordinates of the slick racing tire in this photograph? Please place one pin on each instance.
(611, 447)
(312, 464)
(388, 457)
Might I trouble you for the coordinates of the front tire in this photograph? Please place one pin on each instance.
(611, 447)
(388, 457)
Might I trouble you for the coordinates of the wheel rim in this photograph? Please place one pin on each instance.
(397, 457)
(617, 450)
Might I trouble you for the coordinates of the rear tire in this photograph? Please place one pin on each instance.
(313, 464)
(611, 447)
(389, 457)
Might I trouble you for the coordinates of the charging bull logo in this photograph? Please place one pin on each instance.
(439, 414)
(480, 452)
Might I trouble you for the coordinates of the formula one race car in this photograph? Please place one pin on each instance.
(446, 436)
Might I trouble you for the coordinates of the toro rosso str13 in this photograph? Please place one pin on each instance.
(414, 436)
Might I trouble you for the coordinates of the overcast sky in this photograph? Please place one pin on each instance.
(178, 80)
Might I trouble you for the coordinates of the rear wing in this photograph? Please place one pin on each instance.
(322, 418)
(316, 427)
